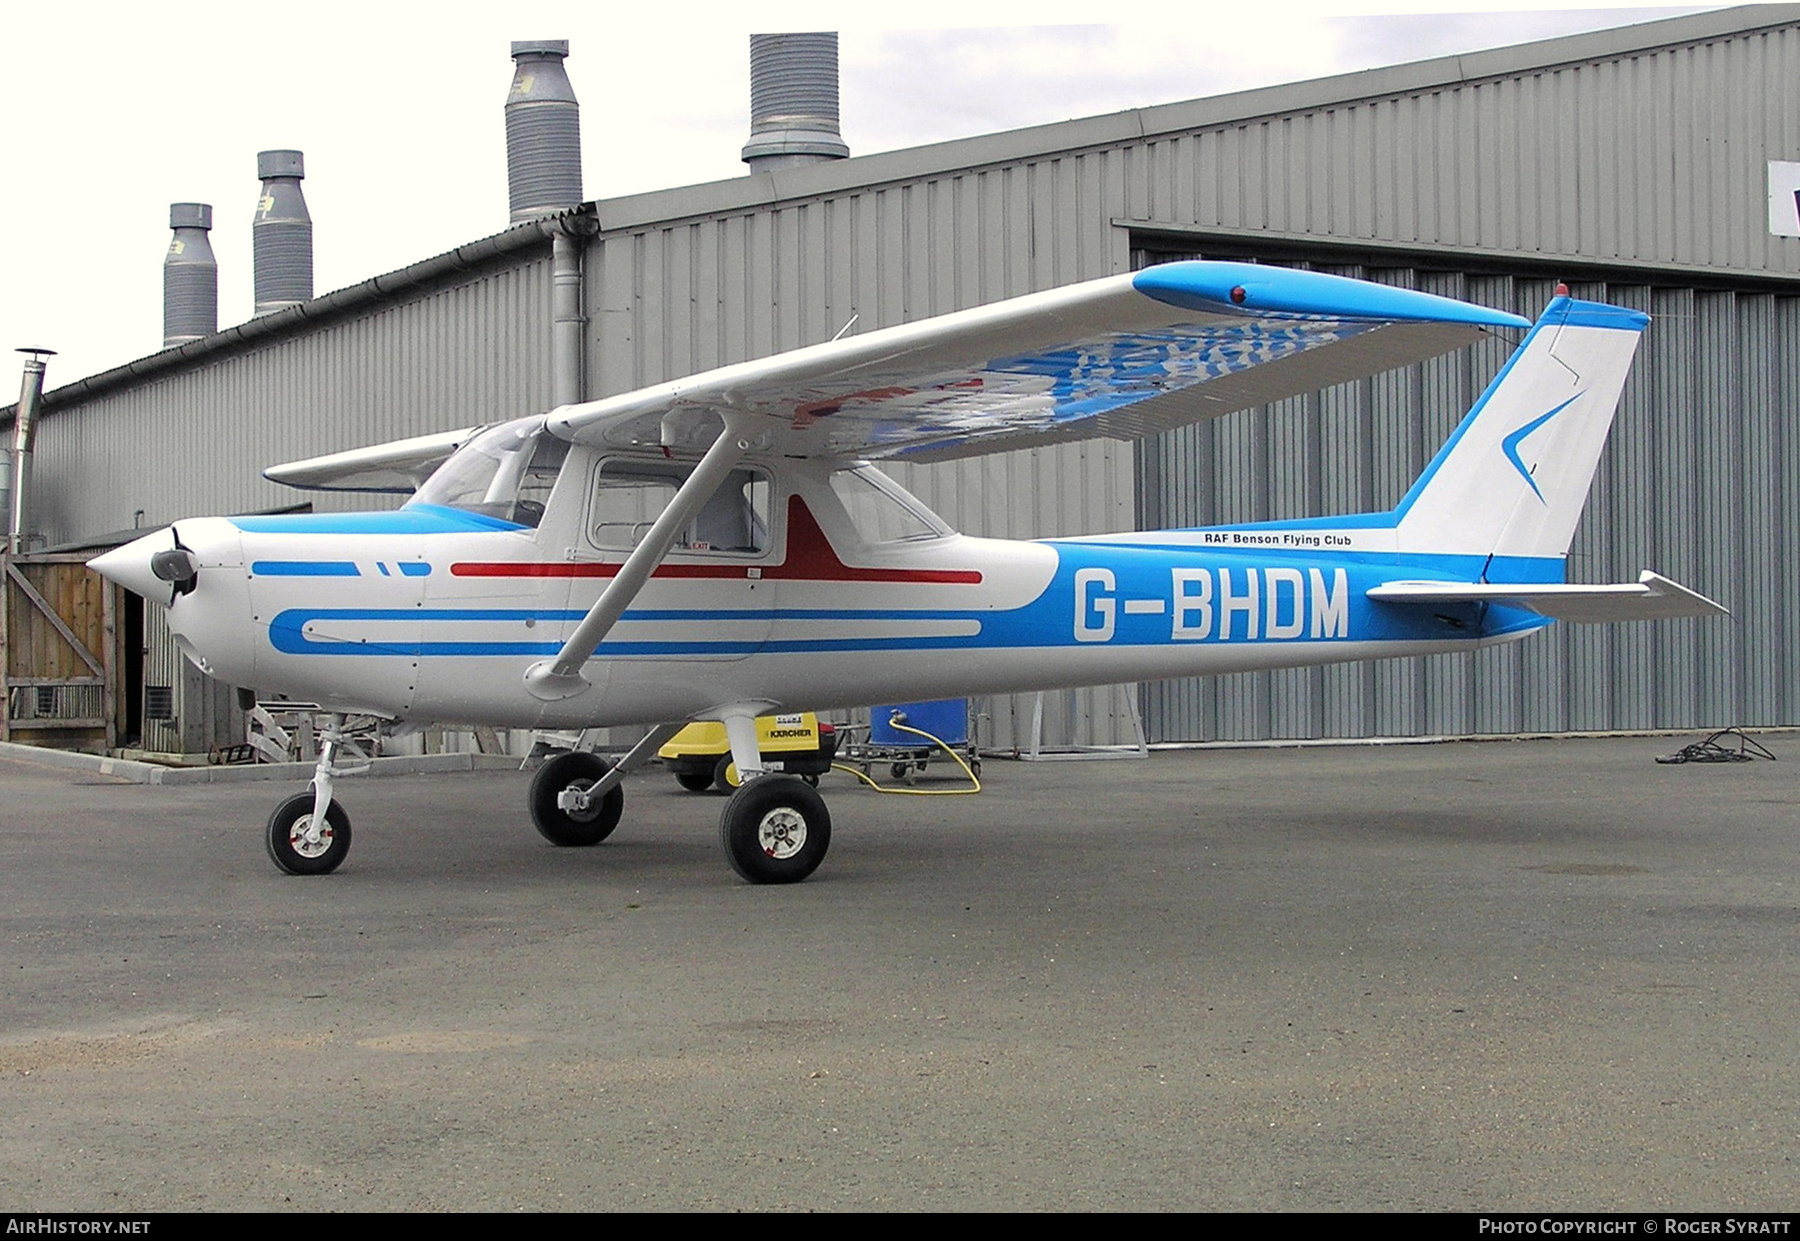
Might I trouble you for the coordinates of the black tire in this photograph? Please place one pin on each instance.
(694, 781)
(558, 826)
(775, 830)
(722, 775)
(899, 770)
(285, 837)
(812, 781)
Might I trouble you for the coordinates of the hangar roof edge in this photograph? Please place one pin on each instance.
(810, 181)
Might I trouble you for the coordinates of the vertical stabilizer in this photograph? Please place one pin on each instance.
(1512, 480)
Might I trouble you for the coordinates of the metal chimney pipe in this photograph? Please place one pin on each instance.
(543, 132)
(190, 276)
(282, 233)
(31, 394)
(793, 101)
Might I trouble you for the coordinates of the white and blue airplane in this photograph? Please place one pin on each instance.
(722, 547)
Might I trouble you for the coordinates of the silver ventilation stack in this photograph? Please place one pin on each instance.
(793, 101)
(190, 277)
(31, 394)
(543, 132)
(282, 233)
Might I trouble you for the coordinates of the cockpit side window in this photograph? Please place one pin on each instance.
(505, 472)
(631, 493)
(883, 511)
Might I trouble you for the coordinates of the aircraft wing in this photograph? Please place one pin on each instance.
(399, 466)
(1122, 357)
(1651, 597)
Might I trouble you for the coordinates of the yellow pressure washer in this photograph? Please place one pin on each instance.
(796, 745)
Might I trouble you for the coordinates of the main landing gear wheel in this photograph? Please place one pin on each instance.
(574, 829)
(292, 845)
(775, 830)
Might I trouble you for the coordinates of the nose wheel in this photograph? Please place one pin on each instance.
(775, 829)
(297, 847)
(309, 833)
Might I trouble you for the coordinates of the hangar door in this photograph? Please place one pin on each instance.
(1700, 481)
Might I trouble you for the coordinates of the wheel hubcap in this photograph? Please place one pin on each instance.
(782, 833)
(592, 810)
(305, 842)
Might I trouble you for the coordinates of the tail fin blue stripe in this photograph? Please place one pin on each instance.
(1511, 443)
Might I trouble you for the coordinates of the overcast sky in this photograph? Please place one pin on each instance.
(114, 110)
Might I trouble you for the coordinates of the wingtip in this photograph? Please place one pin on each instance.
(1252, 288)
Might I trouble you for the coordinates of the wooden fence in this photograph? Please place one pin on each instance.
(59, 652)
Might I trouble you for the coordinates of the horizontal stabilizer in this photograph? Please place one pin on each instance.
(398, 466)
(1651, 597)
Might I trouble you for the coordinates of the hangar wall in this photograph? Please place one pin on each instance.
(1699, 481)
(1630, 162)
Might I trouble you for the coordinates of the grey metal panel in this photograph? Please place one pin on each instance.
(1671, 373)
(1719, 534)
(1756, 619)
(1786, 493)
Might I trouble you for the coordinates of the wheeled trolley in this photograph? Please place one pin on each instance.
(906, 736)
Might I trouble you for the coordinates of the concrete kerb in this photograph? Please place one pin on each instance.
(153, 773)
(136, 772)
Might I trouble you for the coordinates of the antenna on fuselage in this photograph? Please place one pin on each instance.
(847, 326)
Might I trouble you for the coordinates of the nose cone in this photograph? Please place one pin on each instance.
(130, 566)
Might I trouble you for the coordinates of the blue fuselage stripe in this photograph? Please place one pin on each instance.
(1101, 595)
(305, 568)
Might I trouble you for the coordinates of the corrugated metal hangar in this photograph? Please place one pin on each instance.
(1640, 166)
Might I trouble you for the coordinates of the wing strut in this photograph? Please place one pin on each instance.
(554, 679)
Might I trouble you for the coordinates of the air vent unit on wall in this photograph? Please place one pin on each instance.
(159, 702)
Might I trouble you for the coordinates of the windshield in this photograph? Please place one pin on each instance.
(505, 471)
(882, 510)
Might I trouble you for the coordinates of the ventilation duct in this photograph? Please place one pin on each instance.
(31, 394)
(282, 233)
(543, 132)
(793, 101)
(190, 276)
